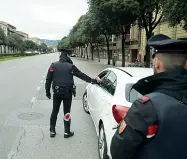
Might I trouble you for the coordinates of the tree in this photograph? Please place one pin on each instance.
(76, 36)
(98, 41)
(29, 45)
(2, 38)
(122, 15)
(90, 30)
(105, 24)
(149, 14)
(17, 41)
(11, 43)
(43, 47)
(64, 43)
(176, 12)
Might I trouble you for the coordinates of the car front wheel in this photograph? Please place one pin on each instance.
(102, 145)
(85, 103)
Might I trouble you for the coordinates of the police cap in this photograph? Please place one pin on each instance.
(65, 51)
(163, 44)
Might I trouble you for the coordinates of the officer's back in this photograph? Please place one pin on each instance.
(62, 74)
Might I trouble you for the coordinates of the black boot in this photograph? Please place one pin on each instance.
(67, 132)
(52, 132)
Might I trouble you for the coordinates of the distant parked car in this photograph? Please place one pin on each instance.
(109, 101)
(28, 52)
(72, 55)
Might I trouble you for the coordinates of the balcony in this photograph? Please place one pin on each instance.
(10, 30)
(127, 37)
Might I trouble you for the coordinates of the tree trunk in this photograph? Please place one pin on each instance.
(81, 52)
(84, 52)
(123, 46)
(98, 52)
(1, 49)
(87, 52)
(5, 49)
(147, 55)
(108, 48)
(92, 51)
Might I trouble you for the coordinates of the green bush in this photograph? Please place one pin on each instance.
(18, 55)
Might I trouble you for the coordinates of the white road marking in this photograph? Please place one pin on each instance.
(38, 88)
(43, 76)
(33, 99)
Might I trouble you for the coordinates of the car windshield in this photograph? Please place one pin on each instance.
(131, 94)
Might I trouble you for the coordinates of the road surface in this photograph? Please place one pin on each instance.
(25, 113)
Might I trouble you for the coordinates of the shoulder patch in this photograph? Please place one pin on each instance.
(122, 126)
(51, 69)
(144, 99)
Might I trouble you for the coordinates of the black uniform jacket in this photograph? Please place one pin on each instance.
(75, 72)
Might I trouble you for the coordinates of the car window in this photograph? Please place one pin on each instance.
(103, 74)
(109, 83)
(131, 94)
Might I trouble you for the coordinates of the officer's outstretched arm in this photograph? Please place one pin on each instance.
(139, 125)
(49, 78)
(84, 77)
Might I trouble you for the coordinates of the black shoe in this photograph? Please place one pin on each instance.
(52, 132)
(67, 135)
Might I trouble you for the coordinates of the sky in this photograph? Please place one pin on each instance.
(45, 19)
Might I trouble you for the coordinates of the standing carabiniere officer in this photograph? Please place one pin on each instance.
(155, 125)
(60, 75)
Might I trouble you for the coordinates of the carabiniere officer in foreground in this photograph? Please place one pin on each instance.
(155, 127)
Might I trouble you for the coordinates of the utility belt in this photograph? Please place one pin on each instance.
(63, 90)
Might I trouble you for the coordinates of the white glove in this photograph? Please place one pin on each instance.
(98, 79)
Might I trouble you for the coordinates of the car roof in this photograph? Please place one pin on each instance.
(137, 72)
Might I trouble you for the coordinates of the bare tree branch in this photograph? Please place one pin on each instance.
(145, 23)
(154, 26)
(156, 14)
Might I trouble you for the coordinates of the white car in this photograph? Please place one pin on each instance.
(108, 102)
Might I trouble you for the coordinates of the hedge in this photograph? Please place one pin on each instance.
(18, 54)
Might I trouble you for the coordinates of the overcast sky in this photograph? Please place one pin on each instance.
(49, 19)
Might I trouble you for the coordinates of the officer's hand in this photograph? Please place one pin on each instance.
(98, 80)
(48, 95)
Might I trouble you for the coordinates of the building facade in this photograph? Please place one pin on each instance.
(176, 32)
(7, 28)
(22, 35)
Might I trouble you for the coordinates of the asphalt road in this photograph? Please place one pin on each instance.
(25, 113)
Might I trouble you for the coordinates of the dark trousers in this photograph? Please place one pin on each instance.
(57, 100)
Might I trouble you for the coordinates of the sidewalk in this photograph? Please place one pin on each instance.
(105, 62)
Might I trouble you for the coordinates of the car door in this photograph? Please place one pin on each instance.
(92, 95)
(104, 95)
